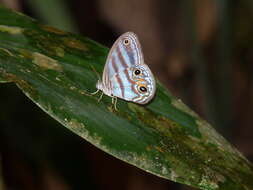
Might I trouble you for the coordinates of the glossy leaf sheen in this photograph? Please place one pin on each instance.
(54, 69)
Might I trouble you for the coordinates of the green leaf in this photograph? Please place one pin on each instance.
(55, 70)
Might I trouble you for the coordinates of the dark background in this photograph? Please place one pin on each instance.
(200, 49)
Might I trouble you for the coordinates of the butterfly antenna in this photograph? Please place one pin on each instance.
(95, 71)
(93, 93)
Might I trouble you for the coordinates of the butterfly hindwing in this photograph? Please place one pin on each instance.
(138, 88)
(124, 85)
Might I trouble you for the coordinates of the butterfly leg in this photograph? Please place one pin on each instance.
(95, 71)
(101, 96)
(93, 93)
(114, 102)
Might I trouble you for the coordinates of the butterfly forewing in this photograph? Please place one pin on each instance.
(122, 55)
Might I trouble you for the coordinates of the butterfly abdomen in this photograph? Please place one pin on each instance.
(106, 89)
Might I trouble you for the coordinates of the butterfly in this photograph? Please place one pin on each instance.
(125, 74)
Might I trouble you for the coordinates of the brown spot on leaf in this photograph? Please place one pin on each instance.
(73, 43)
(8, 76)
(53, 30)
(28, 89)
(159, 149)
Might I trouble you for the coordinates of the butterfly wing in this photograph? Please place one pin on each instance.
(125, 53)
(125, 57)
(135, 88)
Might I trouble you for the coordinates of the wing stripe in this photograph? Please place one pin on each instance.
(129, 50)
(132, 84)
(121, 58)
(105, 77)
(120, 85)
(114, 66)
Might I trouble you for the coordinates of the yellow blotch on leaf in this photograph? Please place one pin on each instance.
(11, 29)
(46, 62)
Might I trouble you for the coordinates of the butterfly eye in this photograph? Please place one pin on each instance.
(137, 72)
(126, 42)
(142, 89)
